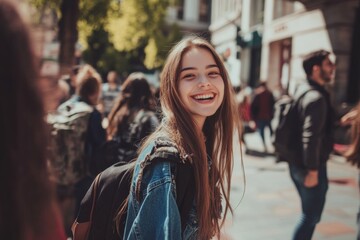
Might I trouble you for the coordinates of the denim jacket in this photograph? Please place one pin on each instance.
(152, 211)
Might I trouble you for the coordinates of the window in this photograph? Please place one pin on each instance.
(283, 8)
(204, 11)
(257, 12)
(180, 13)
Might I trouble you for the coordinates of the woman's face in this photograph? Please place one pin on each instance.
(201, 86)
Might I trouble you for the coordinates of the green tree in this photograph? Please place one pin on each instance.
(131, 36)
(70, 11)
(141, 27)
(101, 54)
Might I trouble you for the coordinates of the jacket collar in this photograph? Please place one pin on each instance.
(318, 87)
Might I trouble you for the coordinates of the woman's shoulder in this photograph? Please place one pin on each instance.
(160, 149)
(150, 170)
(158, 159)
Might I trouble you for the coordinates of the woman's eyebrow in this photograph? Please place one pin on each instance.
(187, 68)
(192, 68)
(212, 65)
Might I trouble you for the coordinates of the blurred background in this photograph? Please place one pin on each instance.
(259, 40)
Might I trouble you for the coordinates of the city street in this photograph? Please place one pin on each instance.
(270, 207)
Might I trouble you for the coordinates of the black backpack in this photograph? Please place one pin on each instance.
(111, 188)
(288, 128)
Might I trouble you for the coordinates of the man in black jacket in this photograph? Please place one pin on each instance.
(316, 115)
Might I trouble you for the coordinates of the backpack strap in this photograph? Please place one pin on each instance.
(300, 93)
(140, 114)
(167, 151)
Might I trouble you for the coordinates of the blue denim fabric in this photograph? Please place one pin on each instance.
(261, 125)
(156, 214)
(312, 200)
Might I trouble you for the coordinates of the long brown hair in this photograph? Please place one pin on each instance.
(135, 95)
(24, 181)
(218, 131)
(353, 154)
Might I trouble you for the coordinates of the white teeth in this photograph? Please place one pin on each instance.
(204, 96)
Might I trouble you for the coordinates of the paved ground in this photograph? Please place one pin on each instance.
(271, 207)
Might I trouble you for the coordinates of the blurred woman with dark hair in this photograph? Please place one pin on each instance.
(132, 117)
(28, 208)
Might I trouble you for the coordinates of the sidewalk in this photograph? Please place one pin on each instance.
(270, 208)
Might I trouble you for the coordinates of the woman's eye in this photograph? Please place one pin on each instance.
(214, 74)
(188, 76)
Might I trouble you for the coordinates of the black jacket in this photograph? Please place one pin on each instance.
(317, 118)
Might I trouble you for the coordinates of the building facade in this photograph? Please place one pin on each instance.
(224, 28)
(236, 29)
(265, 40)
(192, 16)
(292, 29)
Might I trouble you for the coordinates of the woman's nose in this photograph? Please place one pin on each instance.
(203, 81)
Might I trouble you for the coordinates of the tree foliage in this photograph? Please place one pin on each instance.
(94, 11)
(101, 54)
(141, 25)
(135, 30)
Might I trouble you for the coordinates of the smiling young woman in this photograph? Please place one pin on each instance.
(200, 118)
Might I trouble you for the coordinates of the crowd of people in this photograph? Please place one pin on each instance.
(52, 157)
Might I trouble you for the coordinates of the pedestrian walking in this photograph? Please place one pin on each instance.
(77, 139)
(28, 207)
(262, 110)
(353, 154)
(244, 107)
(315, 141)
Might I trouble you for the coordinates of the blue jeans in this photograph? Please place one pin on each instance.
(312, 200)
(261, 125)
